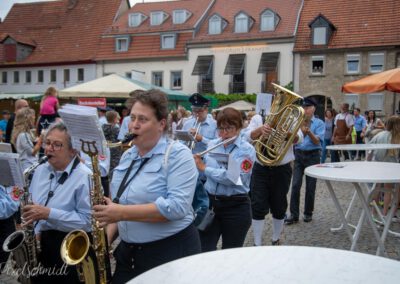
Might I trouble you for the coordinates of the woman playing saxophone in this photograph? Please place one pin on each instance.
(61, 203)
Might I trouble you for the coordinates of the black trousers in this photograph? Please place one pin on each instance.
(302, 161)
(7, 227)
(134, 259)
(50, 258)
(232, 221)
(268, 189)
(105, 183)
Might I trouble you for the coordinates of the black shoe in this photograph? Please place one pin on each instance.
(291, 220)
(307, 218)
(276, 243)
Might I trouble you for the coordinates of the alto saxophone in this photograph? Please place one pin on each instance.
(23, 244)
(91, 258)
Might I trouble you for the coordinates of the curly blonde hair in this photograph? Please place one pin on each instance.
(22, 123)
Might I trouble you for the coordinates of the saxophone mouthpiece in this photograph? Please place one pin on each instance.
(43, 160)
(128, 138)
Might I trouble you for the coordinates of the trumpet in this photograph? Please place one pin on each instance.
(196, 125)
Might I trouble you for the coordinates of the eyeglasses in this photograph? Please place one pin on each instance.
(226, 129)
(198, 110)
(56, 146)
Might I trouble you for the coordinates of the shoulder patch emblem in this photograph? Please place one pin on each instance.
(102, 157)
(16, 193)
(246, 165)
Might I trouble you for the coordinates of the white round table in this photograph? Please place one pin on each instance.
(359, 173)
(275, 264)
(362, 147)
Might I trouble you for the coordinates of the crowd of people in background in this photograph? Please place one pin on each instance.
(185, 198)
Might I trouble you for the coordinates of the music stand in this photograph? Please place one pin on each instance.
(11, 170)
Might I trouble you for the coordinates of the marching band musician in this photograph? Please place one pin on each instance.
(152, 190)
(203, 126)
(229, 201)
(8, 207)
(61, 202)
(269, 185)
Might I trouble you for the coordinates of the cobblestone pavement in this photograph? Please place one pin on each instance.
(317, 233)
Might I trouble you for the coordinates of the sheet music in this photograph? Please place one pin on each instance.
(83, 123)
(11, 170)
(228, 162)
(183, 135)
(5, 147)
(263, 103)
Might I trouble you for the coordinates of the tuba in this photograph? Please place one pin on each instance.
(285, 119)
(91, 258)
(23, 244)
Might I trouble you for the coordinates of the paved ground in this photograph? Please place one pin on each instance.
(317, 233)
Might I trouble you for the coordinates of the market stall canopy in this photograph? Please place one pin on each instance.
(114, 86)
(19, 96)
(388, 80)
(240, 105)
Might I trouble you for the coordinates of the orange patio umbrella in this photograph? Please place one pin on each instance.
(388, 80)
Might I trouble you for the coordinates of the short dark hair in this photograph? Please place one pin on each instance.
(60, 126)
(230, 116)
(155, 99)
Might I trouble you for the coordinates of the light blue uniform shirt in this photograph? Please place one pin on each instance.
(70, 206)
(359, 123)
(124, 127)
(104, 162)
(170, 186)
(217, 180)
(7, 206)
(208, 129)
(317, 127)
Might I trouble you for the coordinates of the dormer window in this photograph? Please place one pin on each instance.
(121, 44)
(242, 23)
(157, 18)
(321, 30)
(168, 41)
(269, 20)
(180, 16)
(136, 19)
(216, 24)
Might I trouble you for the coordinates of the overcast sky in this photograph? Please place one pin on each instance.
(5, 5)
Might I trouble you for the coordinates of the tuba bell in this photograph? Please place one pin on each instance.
(285, 119)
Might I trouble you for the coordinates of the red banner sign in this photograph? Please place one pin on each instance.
(93, 102)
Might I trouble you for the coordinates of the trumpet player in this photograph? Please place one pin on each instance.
(204, 129)
(61, 203)
(269, 185)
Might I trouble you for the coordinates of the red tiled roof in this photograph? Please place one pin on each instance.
(60, 34)
(358, 23)
(195, 7)
(287, 10)
(143, 46)
(145, 39)
(18, 38)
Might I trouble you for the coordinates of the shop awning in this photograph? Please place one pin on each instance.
(18, 96)
(203, 65)
(235, 64)
(268, 62)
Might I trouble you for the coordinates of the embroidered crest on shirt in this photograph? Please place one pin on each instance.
(246, 165)
(102, 157)
(16, 193)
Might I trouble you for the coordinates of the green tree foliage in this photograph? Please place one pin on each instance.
(224, 99)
